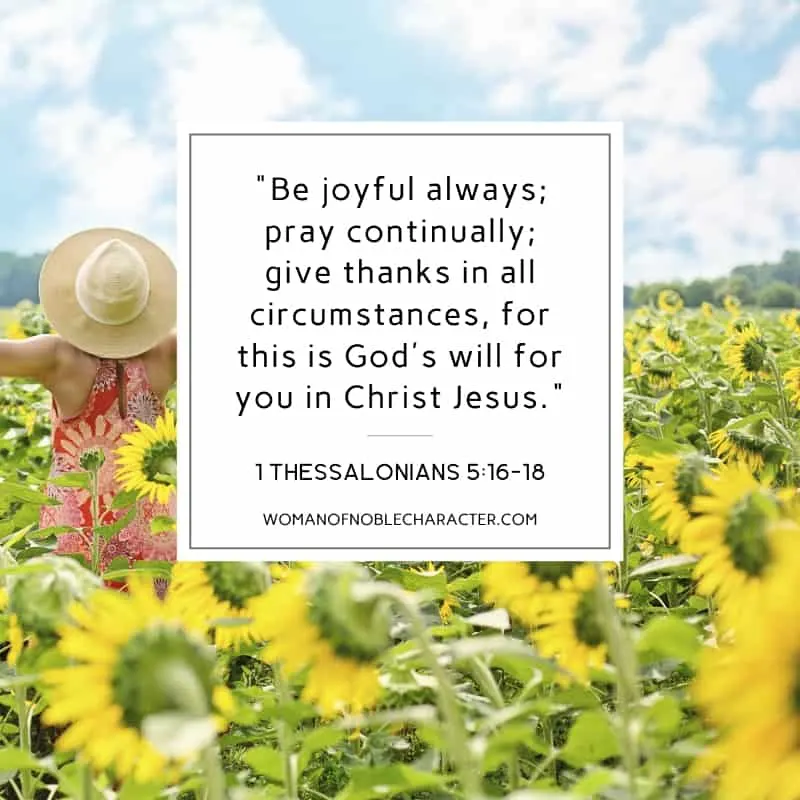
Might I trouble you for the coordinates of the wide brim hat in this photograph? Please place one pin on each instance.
(76, 298)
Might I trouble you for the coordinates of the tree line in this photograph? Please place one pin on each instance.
(19, 277)
(768, 285)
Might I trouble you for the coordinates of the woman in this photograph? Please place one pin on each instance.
(111, 295)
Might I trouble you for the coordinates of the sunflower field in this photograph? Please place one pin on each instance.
(674, 674)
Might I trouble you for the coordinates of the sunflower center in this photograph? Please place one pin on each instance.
(160, 462)
(746, 536)
(753, 355)
(234, 582)
(550, 571)
(746, 442)
(150, 674)
(587, 621)
(688, 478)
(354, 628)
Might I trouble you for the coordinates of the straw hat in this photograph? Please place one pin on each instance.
(109, 292)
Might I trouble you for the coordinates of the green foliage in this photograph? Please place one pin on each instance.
(779, 294)
(748, 282)
(19, 277)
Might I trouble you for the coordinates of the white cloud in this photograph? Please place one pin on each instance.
(686, 184)
(781, 93)
(214, 62)
(682, 190)
(232, 63)
(554, 46)
(113, 175)
(50, 43)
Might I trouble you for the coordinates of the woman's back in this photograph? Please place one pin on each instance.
(95, 402)
(112, 295)
(72, 380)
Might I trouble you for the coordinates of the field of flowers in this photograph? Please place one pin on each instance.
(674, 674)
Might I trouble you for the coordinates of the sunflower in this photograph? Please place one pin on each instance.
(635, 369)
(14, 330)
(132, 657)
(225, 593)
(668, 337)
(16, 637)
(746, 445)
(449, 602)
(518, 586)
(570, 628)
(635, 467)
(674, 481)
(737, 521)
(749, 690)
(792, 381)
(732, 305)
(313, 622)
(148, 462)
(707, 310)
(670, 301)
(746, 353)
(661, 377)
(791, 320)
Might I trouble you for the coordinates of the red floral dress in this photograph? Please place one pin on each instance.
(100, 426)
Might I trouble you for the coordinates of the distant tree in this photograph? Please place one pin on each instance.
(739, 286)
(697, 292)
(646, 293)
(627, 296)
(19, 277)
(779, 294)
(788, 268)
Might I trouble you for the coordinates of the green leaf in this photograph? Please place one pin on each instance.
(368, 783)
(266, 761)
(14, 758)
(594, 783)
(162, 524)
(497, 618)
(506, 742)
(124, 499)
(56, 530)
(435, 583)
(316, 740)
(663, 715)
(78, 480)
(669, 637)
(591, 740)
(108, 531)
(667, 564)
(16, 491)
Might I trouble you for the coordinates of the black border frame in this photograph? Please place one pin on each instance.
(420, 134)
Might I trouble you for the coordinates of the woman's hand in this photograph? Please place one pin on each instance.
(35, 358)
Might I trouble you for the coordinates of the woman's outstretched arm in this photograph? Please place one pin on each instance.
(34, 358)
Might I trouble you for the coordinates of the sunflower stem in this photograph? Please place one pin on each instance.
(456, 731)
(286, 735)
(700, 393)
(24, 723)
(486, 680)
(628, 697)
(783, 405)
(215, 777)
(95, 522)
(87, 783)
(285, 730)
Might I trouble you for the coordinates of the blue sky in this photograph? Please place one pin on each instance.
(709, 91)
